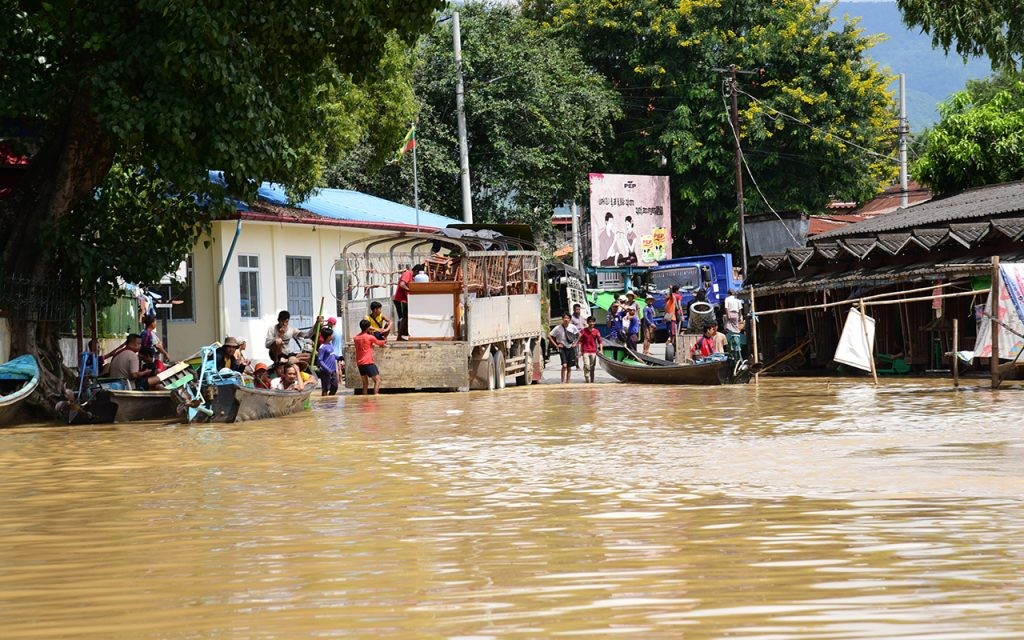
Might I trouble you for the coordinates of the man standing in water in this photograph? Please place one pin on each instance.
(565, 341)
(590, 343)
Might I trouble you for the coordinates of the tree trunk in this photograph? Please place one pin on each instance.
(74, 159)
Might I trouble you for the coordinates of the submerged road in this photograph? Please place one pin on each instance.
(798, 508)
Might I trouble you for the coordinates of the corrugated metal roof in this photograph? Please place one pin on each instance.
(977, 203)
(884, 275)
(342, 204)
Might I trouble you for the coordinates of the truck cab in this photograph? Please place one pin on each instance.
(713, 273)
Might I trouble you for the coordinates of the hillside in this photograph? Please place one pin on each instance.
(931, 75)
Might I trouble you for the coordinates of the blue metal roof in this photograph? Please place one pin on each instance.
(342, 204)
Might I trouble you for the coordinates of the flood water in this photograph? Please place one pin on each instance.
(793, 509)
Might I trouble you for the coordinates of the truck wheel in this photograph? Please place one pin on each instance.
(498, 359)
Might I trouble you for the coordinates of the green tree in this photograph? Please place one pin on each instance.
(537, 120)
(994, 28)
(805, 121)
(168, 90)
(979, 139)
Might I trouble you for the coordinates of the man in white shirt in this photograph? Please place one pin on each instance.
(733, 320)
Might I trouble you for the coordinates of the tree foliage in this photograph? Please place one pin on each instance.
(537, 118)
(804, 122)
(260, 90)
(979, 139)
(994, 28)
(125, 106)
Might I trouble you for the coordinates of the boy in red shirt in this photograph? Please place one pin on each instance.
(365, 342)
(590, 342)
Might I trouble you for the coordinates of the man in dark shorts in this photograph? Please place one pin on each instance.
(364, 343)
(564, 340)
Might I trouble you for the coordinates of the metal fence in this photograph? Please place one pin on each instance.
(47, 301)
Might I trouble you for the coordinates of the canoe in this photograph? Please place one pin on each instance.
(234, 403)
(18, 379)
(709, 373)
(115, 405)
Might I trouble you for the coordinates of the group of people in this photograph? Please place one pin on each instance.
(575, 339)
(629, 324)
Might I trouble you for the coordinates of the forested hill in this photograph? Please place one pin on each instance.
(931, 75)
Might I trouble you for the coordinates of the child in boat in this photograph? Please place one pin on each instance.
(148, 370)
(364, 343)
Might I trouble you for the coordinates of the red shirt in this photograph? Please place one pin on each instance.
(704, 347)
(364, 347)
(401, 293)
(589, 339)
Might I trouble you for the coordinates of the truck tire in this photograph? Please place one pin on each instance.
(498, 360)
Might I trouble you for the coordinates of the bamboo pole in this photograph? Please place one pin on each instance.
(942, 296)
(877, 296)
(994, 314)
(867, 343)
(753, 332)
(956, 348)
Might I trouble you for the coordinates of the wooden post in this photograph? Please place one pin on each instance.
(956, 348)
(80, 331)
(753, 333)
(867, 343)
(994, 315)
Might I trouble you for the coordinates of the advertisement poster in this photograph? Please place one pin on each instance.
(630, 220)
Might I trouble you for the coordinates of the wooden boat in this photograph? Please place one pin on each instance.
(231, 402)
(18, 379)
(708, 373)
(115, 405)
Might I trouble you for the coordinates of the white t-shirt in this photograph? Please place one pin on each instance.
(733, 311)
(421, 277)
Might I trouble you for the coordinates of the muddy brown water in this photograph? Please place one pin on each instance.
(794, 509)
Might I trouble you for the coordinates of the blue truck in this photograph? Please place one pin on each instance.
(713, 272)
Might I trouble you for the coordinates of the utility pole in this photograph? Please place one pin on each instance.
(904, 131)
(460, 111)
(575, 236)
(731, 87)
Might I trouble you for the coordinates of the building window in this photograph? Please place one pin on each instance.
(176, 289)
(249, 285)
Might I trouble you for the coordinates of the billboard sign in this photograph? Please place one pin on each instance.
(630, 220)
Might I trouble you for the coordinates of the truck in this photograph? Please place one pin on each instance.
(714, 273)
(473, 325)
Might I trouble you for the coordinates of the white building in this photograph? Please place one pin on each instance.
(282, 258)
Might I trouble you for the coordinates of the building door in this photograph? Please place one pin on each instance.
(299, 281)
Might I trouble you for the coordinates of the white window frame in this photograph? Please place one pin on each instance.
(244, 271)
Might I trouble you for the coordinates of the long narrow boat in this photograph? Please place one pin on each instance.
(235, 403)
(115, 405)
(18, 379)
(709, 373)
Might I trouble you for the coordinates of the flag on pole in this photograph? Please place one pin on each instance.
(408, 144)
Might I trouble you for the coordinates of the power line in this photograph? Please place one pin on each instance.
(819, 130)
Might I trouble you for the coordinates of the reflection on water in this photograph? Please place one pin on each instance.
(796, 509)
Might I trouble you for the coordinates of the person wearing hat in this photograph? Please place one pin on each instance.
(261, 376)
(227, 356)
(647, 324)
(630, 303)
(614, 319)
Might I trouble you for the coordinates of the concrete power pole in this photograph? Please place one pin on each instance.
(460, 110)
(575, 236)
(904, 131)
(734, 115)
